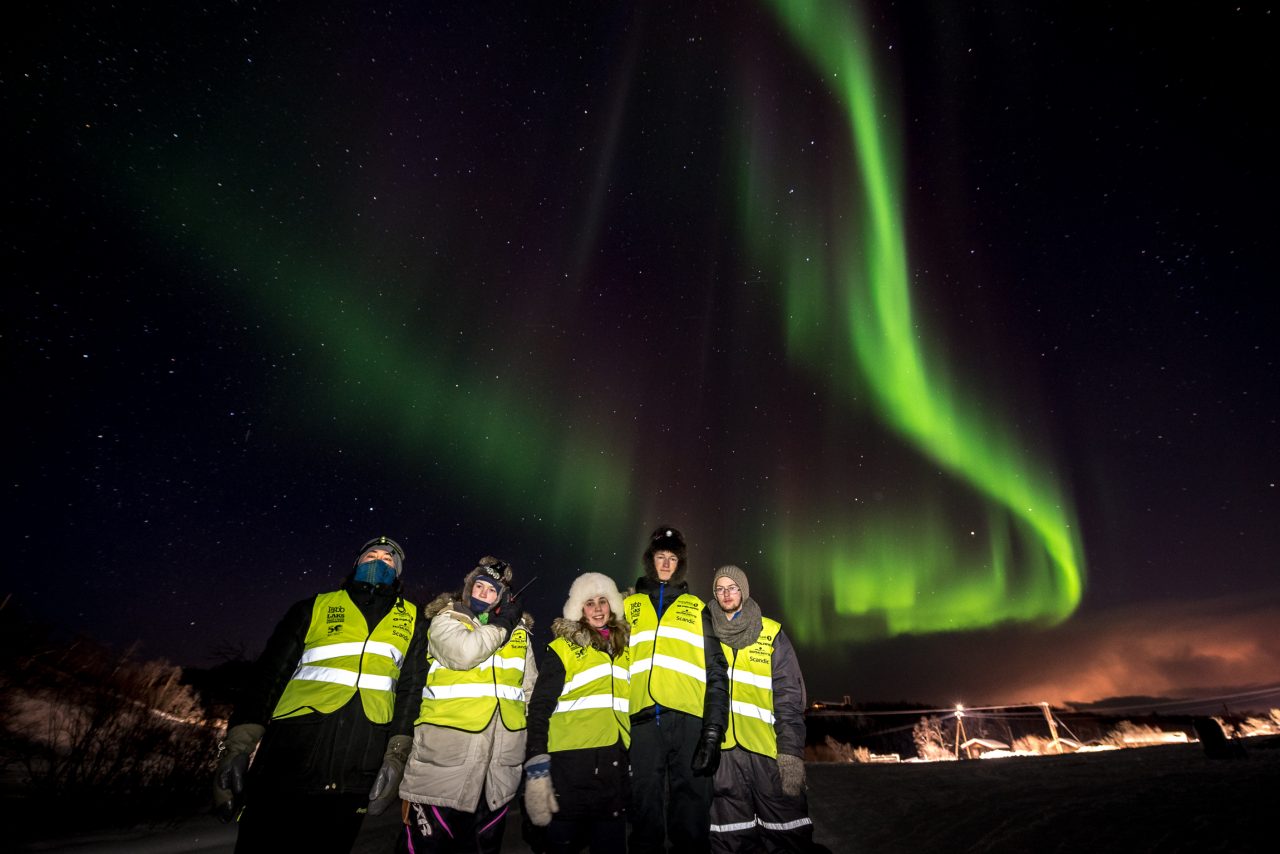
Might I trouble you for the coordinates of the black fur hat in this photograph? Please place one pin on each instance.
(665, 539)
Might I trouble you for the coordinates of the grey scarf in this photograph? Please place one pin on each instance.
(740, 632)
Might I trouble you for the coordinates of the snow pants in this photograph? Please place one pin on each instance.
(317, 824)
(750, 813)
(605, 835)
(667, 800)
(443, 830)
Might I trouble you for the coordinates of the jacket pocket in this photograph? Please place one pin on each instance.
(441, 746)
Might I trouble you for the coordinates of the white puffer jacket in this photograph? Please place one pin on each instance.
(448, 767)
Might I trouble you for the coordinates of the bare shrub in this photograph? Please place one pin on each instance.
(838, 751)
(1129, 734)
(1034, 744)
(930, 738)
(122, 739)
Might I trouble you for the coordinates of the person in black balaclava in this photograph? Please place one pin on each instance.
(332, 701)
(679, 703)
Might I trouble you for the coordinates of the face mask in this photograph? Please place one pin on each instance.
(375, 572)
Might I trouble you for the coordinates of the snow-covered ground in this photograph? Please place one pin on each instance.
(1168, 798)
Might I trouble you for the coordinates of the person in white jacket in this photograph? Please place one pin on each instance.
(469, 738)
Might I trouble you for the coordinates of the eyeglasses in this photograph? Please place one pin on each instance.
(726, 591)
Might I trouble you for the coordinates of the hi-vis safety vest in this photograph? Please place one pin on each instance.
(465, 699)
(668, 659)
(340, 656)
(751, 694)
(594, 706)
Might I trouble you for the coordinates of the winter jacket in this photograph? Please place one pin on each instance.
(343, 655)
(590, 782)
(450, 767)
(336, 752)
(715, 706)
(788, 693)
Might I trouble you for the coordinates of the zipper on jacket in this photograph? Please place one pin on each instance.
(657, 707)
(733, 664)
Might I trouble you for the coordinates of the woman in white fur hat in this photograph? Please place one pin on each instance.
(577, 773)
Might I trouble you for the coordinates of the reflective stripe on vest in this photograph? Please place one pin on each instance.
(341, 656)
(466, 699)
(668, 656)
(751, 694)
(594, 707)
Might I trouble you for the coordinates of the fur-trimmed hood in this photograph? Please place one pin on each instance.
(449, 602)
(582, 634)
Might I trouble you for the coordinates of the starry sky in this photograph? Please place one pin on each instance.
(947, 322)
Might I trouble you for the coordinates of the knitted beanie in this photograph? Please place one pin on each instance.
(739, 578)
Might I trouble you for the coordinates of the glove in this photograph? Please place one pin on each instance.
(539, 797)
(233, 765)
(791, 770)
(504, 614)
(386, 786)
(706, 756)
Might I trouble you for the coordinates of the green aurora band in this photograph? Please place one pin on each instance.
(850, 323)
(477, 426)
(483, 437)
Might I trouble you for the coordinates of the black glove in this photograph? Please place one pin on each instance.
(386, 786)
(233, 765)
(706, 756)
(505, 613)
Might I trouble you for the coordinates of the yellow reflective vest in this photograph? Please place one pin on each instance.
(466, 699)
(751, 694)
(340, 656)
(668, 656)
(594, 705)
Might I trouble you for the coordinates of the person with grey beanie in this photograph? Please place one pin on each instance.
(759, 785)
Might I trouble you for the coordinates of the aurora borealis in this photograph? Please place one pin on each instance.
(900, 310)
(875, 574)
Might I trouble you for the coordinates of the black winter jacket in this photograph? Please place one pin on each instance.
(338, 752)
(590, 783)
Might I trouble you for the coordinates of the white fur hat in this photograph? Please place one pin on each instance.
(588, 586)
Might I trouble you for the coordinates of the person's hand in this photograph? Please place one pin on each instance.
(233, 766)
(791, 770)
(706, 756)
(505, 613)
(386, 786)
(539, 796)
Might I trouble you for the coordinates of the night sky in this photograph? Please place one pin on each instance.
(949, 323)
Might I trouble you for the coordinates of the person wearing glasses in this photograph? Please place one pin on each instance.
(469, 738)
(332, 701)
(759, 786)
(679, 703)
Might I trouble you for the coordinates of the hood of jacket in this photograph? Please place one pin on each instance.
(449, 602)
(581, 633)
